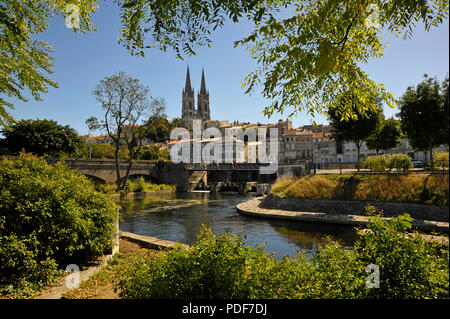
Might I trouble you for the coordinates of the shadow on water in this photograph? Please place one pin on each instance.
(179, 217)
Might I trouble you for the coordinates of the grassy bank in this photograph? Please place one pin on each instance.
(430, 189)
(139, 186)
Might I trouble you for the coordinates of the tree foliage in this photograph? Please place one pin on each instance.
(153, 153)
(42, 137)
(126, 102)
(362, 124)
(424, 114)
(50, 217)
(308, 52)
(106, 150)
(386, 136)
(24, 59)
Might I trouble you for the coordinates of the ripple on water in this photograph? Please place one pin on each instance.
(179, 217)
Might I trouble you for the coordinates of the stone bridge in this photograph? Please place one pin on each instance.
(186, 176)
(104, 170)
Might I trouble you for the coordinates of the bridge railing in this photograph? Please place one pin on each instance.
(223, 166)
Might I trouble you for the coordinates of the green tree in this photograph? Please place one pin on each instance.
(361, 125)
(176, 122)
(42, 137)
(446, 112)
(158, 127)
(102, 150)
(423, 115)
(386, 136)
(308, 52)
(125, 102)
(24, 59)
(153, 153)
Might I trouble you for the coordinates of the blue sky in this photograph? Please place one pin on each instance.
(82, 60)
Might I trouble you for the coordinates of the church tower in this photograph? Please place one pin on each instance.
(203, 101)
(188, 110)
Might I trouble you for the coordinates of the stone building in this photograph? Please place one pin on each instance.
(298, 145)
(188, 111)
(324, 148)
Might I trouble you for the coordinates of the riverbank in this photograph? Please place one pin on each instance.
(134, 195)
(422, 189)
(254, 208)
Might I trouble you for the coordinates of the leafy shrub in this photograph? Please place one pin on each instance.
(376, 163)
(409, 267)
(222, 267)
(401, 162)
(106, 188)
(214, 268)
(140, 185)
(50, 216)
(380, 163)
(441, 159)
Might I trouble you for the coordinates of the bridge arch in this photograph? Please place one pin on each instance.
(95, 179)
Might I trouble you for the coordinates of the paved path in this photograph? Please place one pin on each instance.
(252, 208)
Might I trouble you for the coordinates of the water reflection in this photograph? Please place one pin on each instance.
(179, 217)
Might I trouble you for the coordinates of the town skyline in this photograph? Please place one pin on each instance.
(82, 60)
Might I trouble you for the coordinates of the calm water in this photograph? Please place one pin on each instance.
(178, 217)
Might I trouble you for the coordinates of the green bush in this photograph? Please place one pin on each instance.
(50, 216)
(401, 162)
(441, 159)
(106, 188)
(376, 163)
(409, 267)
(140, 185)
(222, 267)
(380, 163)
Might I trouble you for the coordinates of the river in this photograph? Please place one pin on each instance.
(179, 216)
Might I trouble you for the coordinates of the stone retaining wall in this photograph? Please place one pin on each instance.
(345, 207)
(149, 242)
(254, 207)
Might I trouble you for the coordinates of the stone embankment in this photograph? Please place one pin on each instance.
(255, 207)
(354, 207)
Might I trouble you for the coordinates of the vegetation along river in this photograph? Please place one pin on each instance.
(179, 216)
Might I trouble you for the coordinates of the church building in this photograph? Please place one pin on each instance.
(188, 111)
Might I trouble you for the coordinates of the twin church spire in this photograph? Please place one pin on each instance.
(189, 112)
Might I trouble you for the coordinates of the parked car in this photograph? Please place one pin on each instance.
(417, 164)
